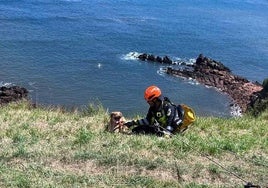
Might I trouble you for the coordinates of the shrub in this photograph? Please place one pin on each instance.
(265, 84)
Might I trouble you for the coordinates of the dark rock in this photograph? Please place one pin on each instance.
(204, 62)
(159, 59)
(166, 60)
(13, 93)
(143, 57)
(151, 58)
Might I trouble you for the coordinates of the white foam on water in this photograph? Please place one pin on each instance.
(180, 61)
(162, 71)
(209, 87)
(192, 61)
(176, 60)
(192, 81)
(5, 84)
(131, 56)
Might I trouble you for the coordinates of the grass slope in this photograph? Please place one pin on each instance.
(43, 147)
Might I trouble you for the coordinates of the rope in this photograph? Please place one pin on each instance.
(217, 163)
(248, 184)
(239, 157)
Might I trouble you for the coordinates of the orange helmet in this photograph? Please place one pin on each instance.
(151, 93)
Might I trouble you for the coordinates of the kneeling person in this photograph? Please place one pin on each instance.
(161, 114)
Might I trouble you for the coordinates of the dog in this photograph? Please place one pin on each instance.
(116, 124)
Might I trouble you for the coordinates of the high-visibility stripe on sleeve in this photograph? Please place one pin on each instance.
(143, 121)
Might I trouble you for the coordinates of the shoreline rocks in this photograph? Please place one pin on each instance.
(214, 74)
(11, 94)
(158, 59)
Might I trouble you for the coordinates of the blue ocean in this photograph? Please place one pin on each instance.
(78, 52)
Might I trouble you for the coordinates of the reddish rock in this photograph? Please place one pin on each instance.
(212, 73)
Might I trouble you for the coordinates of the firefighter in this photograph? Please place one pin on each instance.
(162, 117)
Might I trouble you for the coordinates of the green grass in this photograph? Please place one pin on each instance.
(51, 147)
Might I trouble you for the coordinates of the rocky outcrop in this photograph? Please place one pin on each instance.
(158, 59)
(212, 73)
(215, 74)
(13, 93)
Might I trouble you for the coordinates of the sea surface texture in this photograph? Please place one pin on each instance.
(76, 52)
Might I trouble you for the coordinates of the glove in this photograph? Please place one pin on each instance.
(170, 129)
(129, 124)
(165, 134)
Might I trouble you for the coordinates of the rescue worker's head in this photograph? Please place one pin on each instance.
(152, 94)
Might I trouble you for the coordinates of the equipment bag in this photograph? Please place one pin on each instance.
(187, 114)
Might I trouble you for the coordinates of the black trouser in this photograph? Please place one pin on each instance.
(145, 129)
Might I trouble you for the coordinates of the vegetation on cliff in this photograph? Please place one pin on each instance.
(49, 147)
(259, 102)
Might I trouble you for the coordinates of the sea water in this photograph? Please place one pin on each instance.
(76, 52)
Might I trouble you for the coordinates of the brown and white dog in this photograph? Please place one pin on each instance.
(116, 123)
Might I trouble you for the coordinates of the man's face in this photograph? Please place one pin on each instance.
(152, 102)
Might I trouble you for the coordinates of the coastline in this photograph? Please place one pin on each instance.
(209, 72)
(246, 95)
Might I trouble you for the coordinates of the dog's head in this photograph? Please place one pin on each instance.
(116, 122)
(116, 117)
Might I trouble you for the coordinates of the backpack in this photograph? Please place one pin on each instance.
(187, 115)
